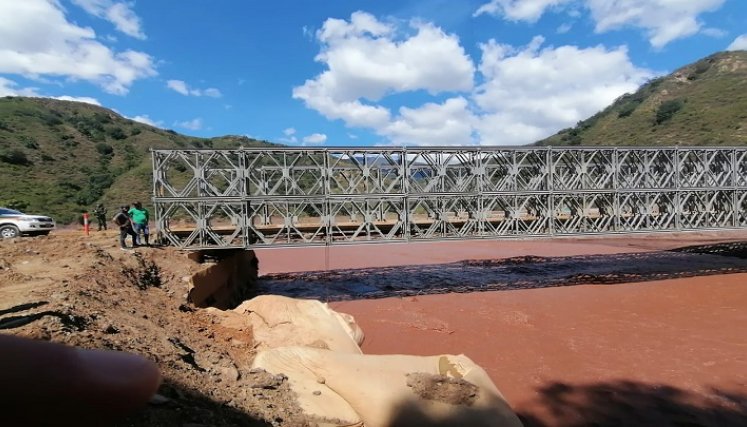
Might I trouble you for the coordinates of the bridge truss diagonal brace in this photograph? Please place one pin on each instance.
(256, 197)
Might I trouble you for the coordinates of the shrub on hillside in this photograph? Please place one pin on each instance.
(667, 110)
(16, 204)
(628, 109)
(117, 133)
(102, 118)
(52, 121)
(14, 157)
(29, 142)
(700, 68)
(104, 149)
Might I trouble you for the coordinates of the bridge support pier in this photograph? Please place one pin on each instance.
(227, 279)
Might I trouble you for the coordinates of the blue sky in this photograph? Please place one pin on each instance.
(351, 72)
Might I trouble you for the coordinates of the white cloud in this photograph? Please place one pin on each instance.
(63, 49)
(353, 113)
(524, 94)
(212, 92)
(10, 88)
(85, 99)
(531, 93)
(182, 87)
(518, 10)
(739, 43)
(194, 124)
(367, 59)
(178, 86)
(290, 136)
(314, 139)
(118, 13)
(716, 33)
(564, 28)
(449, 123)
(662, 20)
(145, 119)
(307, 32)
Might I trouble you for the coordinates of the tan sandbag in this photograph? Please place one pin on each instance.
(393, 390)
(281, 321)
(320, 405)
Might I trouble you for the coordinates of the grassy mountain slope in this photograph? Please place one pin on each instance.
(61, 157)
(704, 103)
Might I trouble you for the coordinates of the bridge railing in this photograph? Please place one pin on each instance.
(299, 196)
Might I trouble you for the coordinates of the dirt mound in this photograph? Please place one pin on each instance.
(85, 291)
(455, 391)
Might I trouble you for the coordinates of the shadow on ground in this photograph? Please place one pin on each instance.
(625, 403)
(181, 407)
(608, 404)
(525, 272)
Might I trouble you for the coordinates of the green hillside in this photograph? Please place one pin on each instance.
(60, 157)
(704, 103)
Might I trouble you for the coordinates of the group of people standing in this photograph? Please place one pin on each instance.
(132, 221)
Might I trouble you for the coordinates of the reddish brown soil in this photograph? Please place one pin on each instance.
(84, 291)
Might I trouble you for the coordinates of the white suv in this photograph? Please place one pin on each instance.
(13, 223)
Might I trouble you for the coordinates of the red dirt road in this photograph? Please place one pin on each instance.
(670, 352)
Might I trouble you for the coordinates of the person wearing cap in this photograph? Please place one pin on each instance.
(122, 219)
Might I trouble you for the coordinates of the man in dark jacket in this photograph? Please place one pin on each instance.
(100, 214)
(122, 219)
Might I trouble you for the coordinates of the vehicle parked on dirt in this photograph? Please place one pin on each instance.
(15, 223)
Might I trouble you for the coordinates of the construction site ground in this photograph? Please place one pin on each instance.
(642, 337)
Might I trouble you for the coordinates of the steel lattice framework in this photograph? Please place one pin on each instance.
(297, 196)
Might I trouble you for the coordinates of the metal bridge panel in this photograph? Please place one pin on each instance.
(577, 169)
(740, 210)
(647, 211)
(706, 209)
(740, 168)
(639, 169)
(584, 213)
(278, 222)
(298, 196)
(365, 172)
(444, 171)
(367, 219)
(443, 217)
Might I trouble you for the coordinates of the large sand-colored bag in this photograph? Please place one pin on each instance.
(279, 321)
(389, 390)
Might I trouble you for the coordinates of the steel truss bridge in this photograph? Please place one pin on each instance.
(265, 197)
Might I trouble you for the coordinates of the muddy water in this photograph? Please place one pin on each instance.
(523, 272)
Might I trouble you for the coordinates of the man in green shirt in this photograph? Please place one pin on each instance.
(140, 218)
